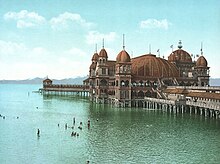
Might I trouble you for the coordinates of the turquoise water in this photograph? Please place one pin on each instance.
(116, 135)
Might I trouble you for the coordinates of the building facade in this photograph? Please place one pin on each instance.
(126, 79)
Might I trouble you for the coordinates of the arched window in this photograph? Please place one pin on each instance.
(126, 83)
(122, 83)
(103, 82)
(148, 94)
(134, 83)
(202, 84)
(141, 94)
(113, 83)
(141, 84)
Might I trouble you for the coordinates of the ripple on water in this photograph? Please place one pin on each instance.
(119, 136)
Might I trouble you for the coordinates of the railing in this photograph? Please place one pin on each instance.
(160, 100)
(195, 87)
(204, 105)
(66, 88)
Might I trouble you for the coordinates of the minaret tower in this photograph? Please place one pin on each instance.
(102, 77)
(123, 77)
(202, 69)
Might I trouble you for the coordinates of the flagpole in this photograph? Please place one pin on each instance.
(158, 51)
(171, 47)
(201, 49)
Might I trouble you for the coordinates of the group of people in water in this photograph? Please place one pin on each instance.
(73, 133)
(3, 117)
(72, 127)
(79, 127)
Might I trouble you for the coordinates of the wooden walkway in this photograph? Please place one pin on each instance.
(206, 109)
(60, 89)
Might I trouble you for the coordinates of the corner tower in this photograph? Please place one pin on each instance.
(102, 77)
(123, 77)
(202, 70)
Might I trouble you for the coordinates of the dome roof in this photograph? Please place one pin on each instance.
(180, 55)
(150, 65)
(47, 80)
(201, 62)
(103, 53)
(123, 56)
(95, 56)
(92, 66)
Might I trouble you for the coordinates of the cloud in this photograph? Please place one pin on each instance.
(17, 52)
(66, 19)
(154, 23)
(94, 37)
(10, 48)
(17, 59)
(25, 18)
(73, 53)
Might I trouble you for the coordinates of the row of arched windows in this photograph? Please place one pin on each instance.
(144, 84)
(126, 83)
(142, 94)
(102, 61)
(134, 94)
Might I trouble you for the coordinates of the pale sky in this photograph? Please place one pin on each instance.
(57, 37)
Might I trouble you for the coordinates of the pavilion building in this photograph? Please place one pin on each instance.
(126, 79)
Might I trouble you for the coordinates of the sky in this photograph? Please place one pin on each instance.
(57, 38)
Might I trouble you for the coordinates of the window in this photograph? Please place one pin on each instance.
(117, 83)
(103, 71)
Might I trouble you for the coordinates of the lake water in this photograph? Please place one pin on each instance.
(116, 135)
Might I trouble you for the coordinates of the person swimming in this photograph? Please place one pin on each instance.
(88, 123)
(38, 132)
(74, 120)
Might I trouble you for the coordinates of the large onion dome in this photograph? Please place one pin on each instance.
(95, 57)
(103, 53)
(180, 55)
(92, 66)
(152, 66)
(123, 56)
(201, 62)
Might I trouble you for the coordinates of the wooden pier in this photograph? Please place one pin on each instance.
(206, 109)
(60, 89)
(204, 101)
(171, 106)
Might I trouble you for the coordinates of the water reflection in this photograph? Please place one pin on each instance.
(148, 136)
(116, 135)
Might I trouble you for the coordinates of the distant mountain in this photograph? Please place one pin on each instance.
(37, 80)
(214, 82)
(77, 80)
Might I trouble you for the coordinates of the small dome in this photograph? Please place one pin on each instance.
(92, 66)
(95, 56)
(152, 66)
(123, 56)
(180, 55)
(103, 53)
(47, 80)
(201, 62)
